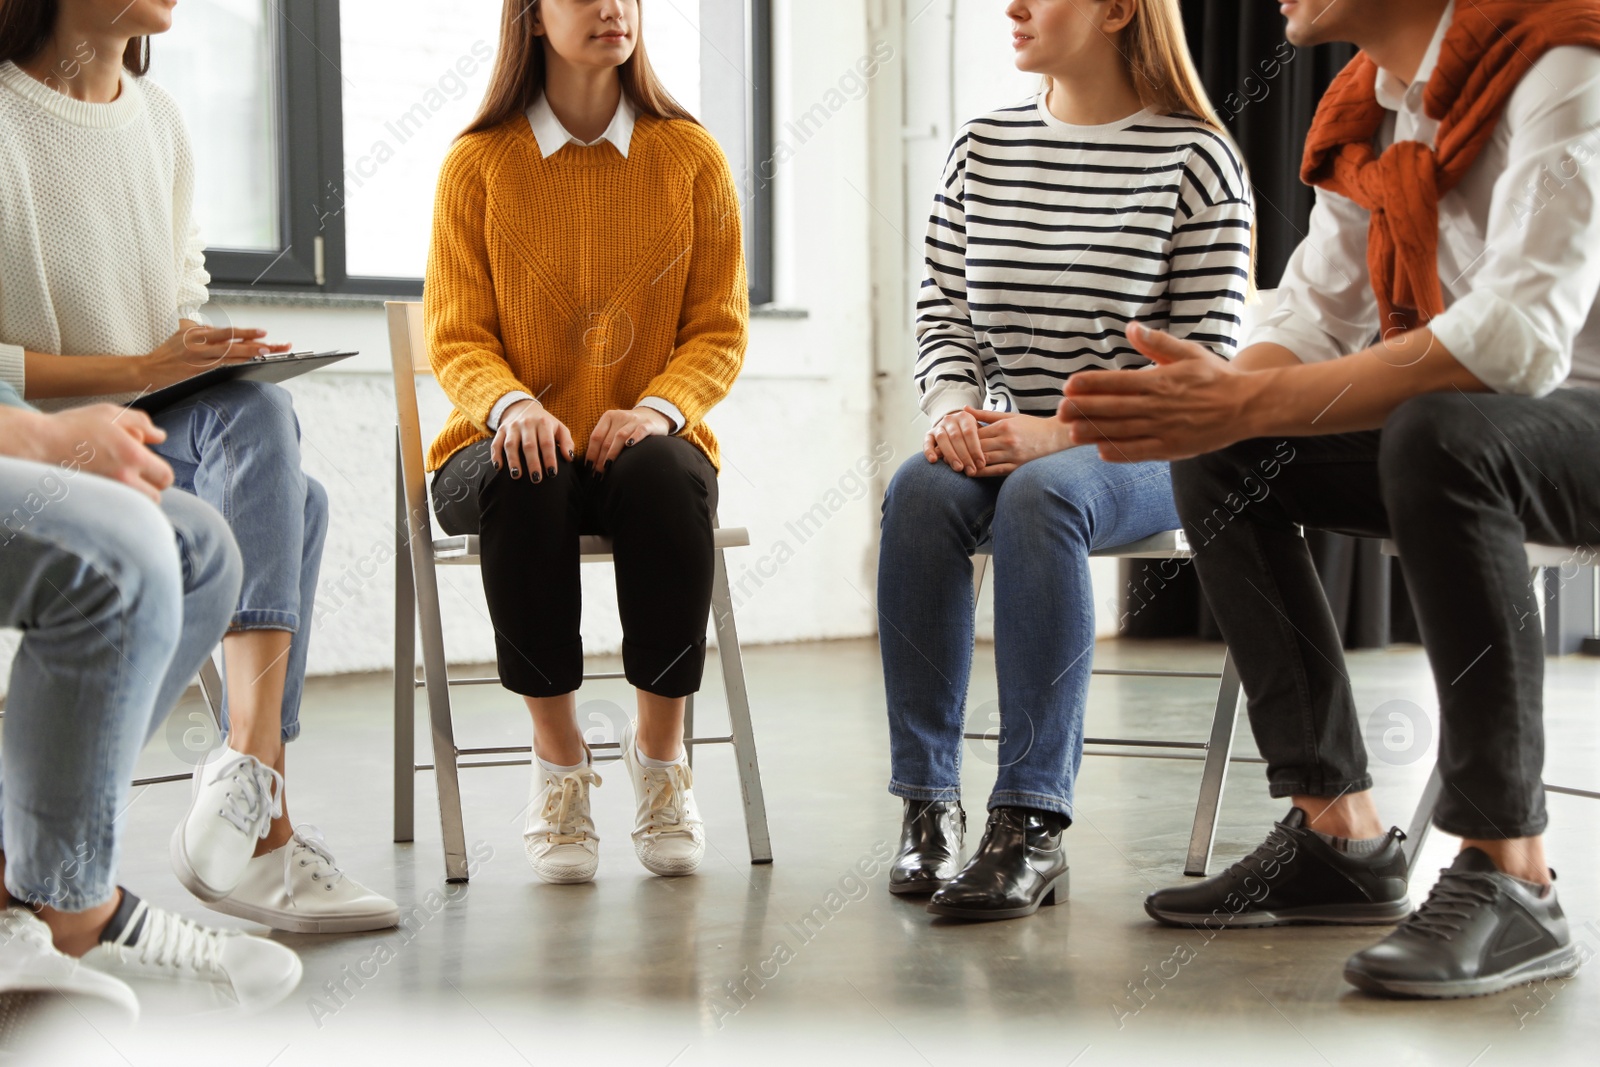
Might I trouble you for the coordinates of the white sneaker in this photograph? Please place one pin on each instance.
(236, 797)
(31, 963)
(668, 835)
(559, 834)
(298, 887)
(224, 969)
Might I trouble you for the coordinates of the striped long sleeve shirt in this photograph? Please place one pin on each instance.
(1047, 239)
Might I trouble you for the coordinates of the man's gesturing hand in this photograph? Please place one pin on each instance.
(1191, 402)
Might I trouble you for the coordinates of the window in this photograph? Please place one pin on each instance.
(319, 127)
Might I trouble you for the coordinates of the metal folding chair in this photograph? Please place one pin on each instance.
(418, 553)
(1539, 557)
(1217, 748)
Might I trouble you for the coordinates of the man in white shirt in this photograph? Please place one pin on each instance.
(1460, 433)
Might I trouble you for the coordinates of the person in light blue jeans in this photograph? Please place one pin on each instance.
(122, 587)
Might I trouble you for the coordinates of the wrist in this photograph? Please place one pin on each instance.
(1254, 412)
(658, 419)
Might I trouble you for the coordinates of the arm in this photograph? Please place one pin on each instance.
(714, 327)
(102, 439)
(948, 373)
(1209, 274)
(1193, 403)
(194, 348)
(460, 316)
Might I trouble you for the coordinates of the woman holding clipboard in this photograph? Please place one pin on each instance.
(101, 283)
(585, 306)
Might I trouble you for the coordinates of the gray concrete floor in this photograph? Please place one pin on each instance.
(717, 968)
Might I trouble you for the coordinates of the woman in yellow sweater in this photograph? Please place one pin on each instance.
(585, 306)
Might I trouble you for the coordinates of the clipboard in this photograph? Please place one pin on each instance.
(273, 368)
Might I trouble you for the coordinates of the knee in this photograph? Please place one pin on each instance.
(669, 471)
(260, 412)
(920, 492)
(138, 556)
(1034, 494)
(206, 549)
(1432, 444)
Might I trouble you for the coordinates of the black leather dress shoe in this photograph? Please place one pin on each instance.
(1480, 931)
(1020, 864)
(1293, 877)
(931, 832)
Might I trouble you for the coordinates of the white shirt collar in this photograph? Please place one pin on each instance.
(552, 136)
(1391, 92)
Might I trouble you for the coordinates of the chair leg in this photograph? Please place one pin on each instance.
(744, 738)
(1422, 820)
(405, 672)
(688, 729)
(1212, 778)
(211, 689)
(436, 677)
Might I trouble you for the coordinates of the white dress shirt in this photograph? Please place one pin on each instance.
(1519, 239)
(552, 138)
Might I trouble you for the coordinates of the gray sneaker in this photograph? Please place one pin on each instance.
(1480, 931)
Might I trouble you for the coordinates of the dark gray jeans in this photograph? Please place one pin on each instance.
(1459, 482)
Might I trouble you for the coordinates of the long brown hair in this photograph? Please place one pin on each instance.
(1158, 56)
(518, 77)
(25, 25)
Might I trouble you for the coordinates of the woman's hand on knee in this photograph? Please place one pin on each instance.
(531, 439)
(618, 430)
(954, 439)
(1010, 439)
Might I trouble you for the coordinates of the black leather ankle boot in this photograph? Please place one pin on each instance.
(931, 832)
(1020, 864)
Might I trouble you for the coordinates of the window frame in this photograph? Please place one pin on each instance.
(309, 125)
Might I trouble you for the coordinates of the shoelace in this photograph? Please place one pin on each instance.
(256, 797)
(170, 942)
(1451, 904)
(1273, 848)
(561, 807)
(665, 787)
(308, 838)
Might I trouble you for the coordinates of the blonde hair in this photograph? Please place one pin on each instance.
(1157, 51)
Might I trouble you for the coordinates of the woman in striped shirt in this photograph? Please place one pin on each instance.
(1112, 197)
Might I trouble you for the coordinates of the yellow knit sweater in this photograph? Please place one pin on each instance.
(587, 279)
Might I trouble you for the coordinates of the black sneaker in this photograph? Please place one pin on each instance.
(1294, 877)
(1480, 931)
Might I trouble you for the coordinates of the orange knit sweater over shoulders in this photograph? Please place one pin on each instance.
(590, 280)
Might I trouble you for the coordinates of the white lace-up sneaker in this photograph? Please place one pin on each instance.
(31, 963)
(559, 834)
(236, 797)
(298, 887)
(222, 969)
(668, 835)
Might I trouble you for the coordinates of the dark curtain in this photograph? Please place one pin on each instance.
(1266, 92)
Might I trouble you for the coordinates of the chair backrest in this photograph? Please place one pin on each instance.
(408, 355)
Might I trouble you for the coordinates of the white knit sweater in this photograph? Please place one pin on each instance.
(98, 251)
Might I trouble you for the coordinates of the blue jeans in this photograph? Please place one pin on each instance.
(1042, 521)
(118, 615)
(237, 447)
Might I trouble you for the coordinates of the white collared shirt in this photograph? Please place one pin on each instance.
(1519, 239)
(553, 137)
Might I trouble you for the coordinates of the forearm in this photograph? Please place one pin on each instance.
(22, 435)
(1265, 356)
(1356, 392)
(50, 376)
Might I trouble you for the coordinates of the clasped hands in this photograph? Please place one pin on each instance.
(531, 439)
(1188, 402)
